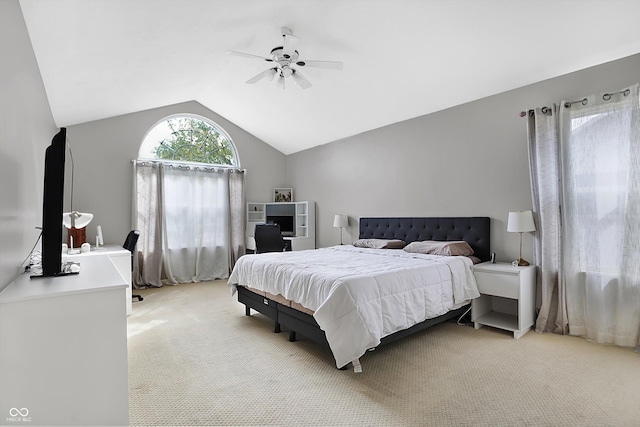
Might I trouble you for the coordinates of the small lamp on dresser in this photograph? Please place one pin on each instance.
(340, 221)
(520, 222)
(76, 224)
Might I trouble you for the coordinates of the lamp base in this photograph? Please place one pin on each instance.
(79, 236)
(521, 263)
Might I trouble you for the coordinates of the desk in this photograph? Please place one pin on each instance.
(300, 243)
(293, 244)
(120, 257)
(63, 348)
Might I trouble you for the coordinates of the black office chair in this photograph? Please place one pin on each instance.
(269, 239)
(130, 245)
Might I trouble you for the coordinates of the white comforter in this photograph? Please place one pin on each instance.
(361, 295)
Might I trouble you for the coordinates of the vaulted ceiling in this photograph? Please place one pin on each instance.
(402, 58)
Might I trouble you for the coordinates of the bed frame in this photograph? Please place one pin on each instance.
(473, 230)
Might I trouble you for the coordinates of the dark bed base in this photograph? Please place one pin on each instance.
(474, 230)
(302, 323)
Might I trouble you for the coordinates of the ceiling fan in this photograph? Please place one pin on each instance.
(286, 60)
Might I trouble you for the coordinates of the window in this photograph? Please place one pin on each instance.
(188, 202)
(189, 138)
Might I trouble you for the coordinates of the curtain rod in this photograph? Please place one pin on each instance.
(583, 101)
(187, 166)
(544, 110)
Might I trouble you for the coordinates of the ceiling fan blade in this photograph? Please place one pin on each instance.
(331, 65)
(290, 45)
(266, 73)
(300, 80)
(248, 55)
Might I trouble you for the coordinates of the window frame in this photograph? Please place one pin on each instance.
(144, 157)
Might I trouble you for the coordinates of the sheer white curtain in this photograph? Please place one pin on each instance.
(585, 170)
(238, 215)
(192, 218)
(196, 224)
(147, 218)
(600, 156)
(544, 161)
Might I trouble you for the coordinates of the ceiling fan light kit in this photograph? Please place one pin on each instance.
(286, 60)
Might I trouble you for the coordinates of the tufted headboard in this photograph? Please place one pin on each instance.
(474, 230)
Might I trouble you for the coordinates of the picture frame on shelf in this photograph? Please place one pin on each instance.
(283, 195)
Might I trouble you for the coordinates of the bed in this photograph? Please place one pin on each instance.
(353, 298)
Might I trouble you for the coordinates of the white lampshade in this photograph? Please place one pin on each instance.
(520, 222)
(341, 221)
(76, 219)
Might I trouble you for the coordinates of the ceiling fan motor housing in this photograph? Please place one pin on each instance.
(278, 55)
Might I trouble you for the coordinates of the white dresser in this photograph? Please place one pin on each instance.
(63, 348)
(120, 257)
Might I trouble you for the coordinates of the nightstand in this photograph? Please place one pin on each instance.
(507, 297)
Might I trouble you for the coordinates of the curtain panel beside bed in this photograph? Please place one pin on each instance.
(585, 174)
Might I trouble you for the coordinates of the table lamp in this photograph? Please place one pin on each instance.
(76, 222)
(520, 222)
(340, 221)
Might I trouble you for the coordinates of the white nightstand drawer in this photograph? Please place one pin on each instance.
(501, 285)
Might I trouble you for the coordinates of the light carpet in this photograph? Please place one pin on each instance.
(196, 359)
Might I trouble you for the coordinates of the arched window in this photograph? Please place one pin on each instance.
(189, 138)
(188, 193)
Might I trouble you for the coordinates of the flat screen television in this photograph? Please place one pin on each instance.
(52, 206)
(285, 222)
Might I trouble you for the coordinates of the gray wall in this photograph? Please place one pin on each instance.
(467, 160)
(26, 129)
(103, 150)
